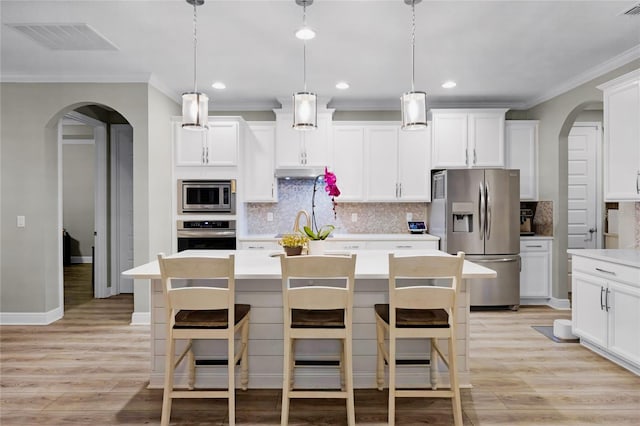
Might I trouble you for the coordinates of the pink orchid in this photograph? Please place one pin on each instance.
(330, 180)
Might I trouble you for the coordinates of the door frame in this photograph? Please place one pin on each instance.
(599, 196)
(117, 245)
(100, 258)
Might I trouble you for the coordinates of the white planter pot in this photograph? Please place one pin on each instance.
(316, 247)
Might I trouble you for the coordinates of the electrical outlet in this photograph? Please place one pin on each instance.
(409, 216)
(270, 217)
(354, 217)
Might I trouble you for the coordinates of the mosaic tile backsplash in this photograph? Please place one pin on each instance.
(543, 218)
(296, 194)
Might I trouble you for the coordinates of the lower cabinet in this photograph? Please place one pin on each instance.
(606, 310)
(259, 245)
(535, 273)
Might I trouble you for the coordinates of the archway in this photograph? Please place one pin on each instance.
(564, 179)
(106, 173)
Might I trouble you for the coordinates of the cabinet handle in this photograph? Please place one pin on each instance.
(466, 156)
(537, 246)
(475, 157)
(606, 303)
(638, 182)
(404, 247)
(256, 247)
(605, 271)
(601, 302)
(203, 155)
(207, 162)
(400, 194)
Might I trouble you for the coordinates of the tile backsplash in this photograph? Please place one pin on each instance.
(296, 194)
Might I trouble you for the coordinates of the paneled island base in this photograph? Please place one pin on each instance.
(258, 283)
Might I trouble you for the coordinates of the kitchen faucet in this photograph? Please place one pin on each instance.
(296, 223)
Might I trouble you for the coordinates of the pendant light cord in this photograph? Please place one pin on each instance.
(304, 48)
(195, 47)
(413, 44)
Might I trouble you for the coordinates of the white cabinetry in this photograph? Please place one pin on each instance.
(535, 273)
(296, 148)
(261, 244)
(259, 162)
(622, 138)
(606, 309)
(468, 138)
(379, 162)
(217, 146)
(522, 153)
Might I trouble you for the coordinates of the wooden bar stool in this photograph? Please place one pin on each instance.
(318, 312)
(202, 313)
(420, 311)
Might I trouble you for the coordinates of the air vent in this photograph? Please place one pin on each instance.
(634, 11)
(65, 36)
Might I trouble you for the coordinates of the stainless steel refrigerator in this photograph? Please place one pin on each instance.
(477, 211)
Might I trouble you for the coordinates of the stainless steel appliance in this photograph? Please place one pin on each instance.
(206, 196)
(206, 235)
(477, 211)
(526, 220)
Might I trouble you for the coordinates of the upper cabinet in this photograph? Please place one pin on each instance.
(299, 148)
(521, 139)
(259, 162)
(622, 138)
(468, 138)
(217, 146)
(379, 162)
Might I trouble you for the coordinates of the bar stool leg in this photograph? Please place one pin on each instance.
(433, 364)
(244, 360)
(380, 355)
(392, 380)
(453, 378)
(342, 361)
(168, 379)
(347, 356)
(286, 379)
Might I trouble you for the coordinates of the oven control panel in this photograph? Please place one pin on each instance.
(206, 224)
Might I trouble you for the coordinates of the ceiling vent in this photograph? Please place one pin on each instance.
(633, 11)
(65, 36)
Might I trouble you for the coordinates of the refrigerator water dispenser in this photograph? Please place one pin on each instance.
(462, 217)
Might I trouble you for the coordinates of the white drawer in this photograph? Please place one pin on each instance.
(607, 270)
(345, 245)
(535, 245)
(402, 245)
(259, 245)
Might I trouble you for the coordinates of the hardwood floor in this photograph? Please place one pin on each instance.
(91, 367)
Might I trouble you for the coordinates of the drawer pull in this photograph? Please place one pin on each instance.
(404, 247)
(601, 302)
(605, 271)
(537, 246)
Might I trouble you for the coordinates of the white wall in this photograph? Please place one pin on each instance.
(30, 269)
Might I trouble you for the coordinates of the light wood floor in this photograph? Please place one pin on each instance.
(91, 367)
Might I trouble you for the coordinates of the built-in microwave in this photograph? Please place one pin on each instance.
(206, 196)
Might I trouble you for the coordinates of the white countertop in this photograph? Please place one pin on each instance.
(350, 237)
(262, 264)
(629, 257)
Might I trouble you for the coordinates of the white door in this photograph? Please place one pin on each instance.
(260, 182)
(583, 229)
(414, 173)
(121, 207)
(348, 162)
(382, 163)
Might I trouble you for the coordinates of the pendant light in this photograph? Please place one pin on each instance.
(195, 105)
(413, 104)
(305, 102)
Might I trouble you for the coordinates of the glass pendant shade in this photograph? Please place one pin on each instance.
(195, 110)
(414, 110)
(305, 115)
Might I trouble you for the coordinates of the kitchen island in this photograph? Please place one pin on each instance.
(259, 284)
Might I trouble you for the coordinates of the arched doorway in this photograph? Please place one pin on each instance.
(95, 154)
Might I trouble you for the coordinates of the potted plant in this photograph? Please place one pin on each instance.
(293, 243)
(318, 234)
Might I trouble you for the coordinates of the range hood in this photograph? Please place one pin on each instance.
(299, 172)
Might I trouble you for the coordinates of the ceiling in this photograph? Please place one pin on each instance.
(512, 54)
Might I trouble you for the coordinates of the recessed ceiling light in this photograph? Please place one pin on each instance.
(305, 33)
(219, 85)
(342, 85)
(449, 84)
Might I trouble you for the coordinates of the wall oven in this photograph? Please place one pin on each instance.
(206, 196)
(206, 235)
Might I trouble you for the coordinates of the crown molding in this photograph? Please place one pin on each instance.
(75, 78)
(610, 65)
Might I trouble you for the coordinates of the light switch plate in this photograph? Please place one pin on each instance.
(21, 222)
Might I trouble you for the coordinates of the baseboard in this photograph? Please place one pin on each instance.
(81, 259)
(560, 304)
(31, 318)
(141, 318)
